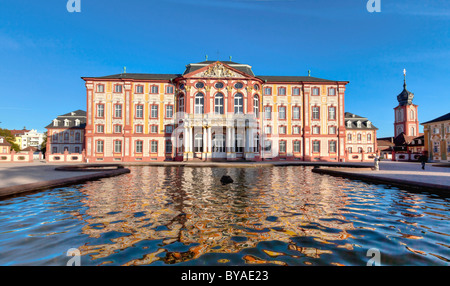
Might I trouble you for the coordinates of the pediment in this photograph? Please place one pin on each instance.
(217, 70)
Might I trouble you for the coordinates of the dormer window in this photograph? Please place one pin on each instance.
(369, 124)
(66, 122)
(55, 122)
(77, 122)
(358, 124)
(349, 124)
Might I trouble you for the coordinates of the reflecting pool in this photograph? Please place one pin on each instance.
(185, 216)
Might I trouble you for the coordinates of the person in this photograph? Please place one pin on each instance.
(423, 160)
(377, 160)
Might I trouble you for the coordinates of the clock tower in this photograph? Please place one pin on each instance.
(406, 113)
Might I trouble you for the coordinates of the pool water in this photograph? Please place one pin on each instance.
(185, 216)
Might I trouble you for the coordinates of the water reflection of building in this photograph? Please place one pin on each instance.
(262, 205)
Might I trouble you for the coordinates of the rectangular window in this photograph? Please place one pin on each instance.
(168, 146)
(315, 91)
(118, 88)
(332, 130)
(77, 150)
(100, 88)
(139, 129)
(281, 91)
(282, 112)
(267, 146)
(100, 110)
(282, 129)
(99, 146)
(154, 111)
(169, 89)
(282, 147)
(139, 89)
(436, 147)
(169, 129)
(315, 113)
(139, 111)
(316, 146)
(268, 130)
(154, 129)
(448, 147)
(296, 146)
(118, 110)
(295, 91)
(296, 130)
(154, 147)
(117, 146)
(139, 146)
(331, 113)
(54, 150)
(267, 112)
(268, 91)
(316, 130)
(169, 111)
(154, 89)
(100, 128)
(332, 91)
(350, 150)
(117, 128)
(332, 147)
(296, 112)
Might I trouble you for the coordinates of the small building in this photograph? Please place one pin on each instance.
(437, 138)
(386, 147)
(361, 137)
(5, 146)
(66, 133)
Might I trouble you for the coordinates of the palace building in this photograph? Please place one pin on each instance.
(215, 110)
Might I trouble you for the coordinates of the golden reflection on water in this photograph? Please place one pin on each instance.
(278, 216)
(190, 206)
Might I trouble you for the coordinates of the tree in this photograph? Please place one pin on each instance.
(9, 137)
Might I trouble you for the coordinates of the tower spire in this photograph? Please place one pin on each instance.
(404, 78)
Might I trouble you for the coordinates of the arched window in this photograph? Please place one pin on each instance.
(349, 137)
(413, 131)
(238, 103)
(199, 103)
(256, 106)
(77, 137)
(66, 137)
(218, 103)
(411, 115)
(181, 103)
(369, 137)
(358, 137)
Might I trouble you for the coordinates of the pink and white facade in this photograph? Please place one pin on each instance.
(215, 110)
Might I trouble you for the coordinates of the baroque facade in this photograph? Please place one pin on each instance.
(215, 110)
(361, 137)
(66, 134)
(437, 138)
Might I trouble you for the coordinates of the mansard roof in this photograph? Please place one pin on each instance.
(442, 118)
(270, 78)
(192, 67)
(71, 117)
(353, 118)
(140, 76)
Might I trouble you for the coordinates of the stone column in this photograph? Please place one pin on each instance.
(209, 140)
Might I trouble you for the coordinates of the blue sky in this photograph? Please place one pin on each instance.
(44, 50)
